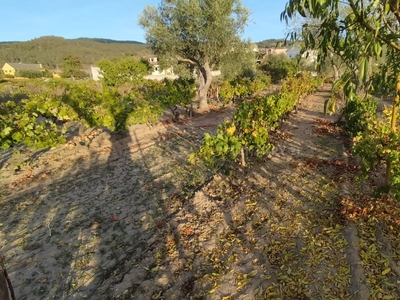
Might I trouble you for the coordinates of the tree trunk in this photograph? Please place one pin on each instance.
(395, 110)
(393, 125)
(204, 85)
(336, 71)
(4, 295)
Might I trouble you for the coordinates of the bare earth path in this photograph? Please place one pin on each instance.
(126, 217)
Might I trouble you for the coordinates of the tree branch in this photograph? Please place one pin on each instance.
(368, 27)
(187, 60)
(395, 10)
(385, 21)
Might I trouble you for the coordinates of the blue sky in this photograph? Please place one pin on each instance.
(24, 20)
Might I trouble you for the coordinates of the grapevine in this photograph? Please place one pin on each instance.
(39, 119)
(248, 131)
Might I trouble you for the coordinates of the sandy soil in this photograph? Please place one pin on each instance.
(124, 216)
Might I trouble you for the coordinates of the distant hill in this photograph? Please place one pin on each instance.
(49, 50)
(108, 41)
(272, 43)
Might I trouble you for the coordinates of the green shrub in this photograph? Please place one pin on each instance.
(243, 86)
(30, 74)
(357, 114)
(376, 144)
(278, 67)
(383, 81)
(118, 71)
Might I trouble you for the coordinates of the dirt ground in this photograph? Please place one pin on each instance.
(125, 216)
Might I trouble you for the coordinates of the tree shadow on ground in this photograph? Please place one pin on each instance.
(88, 224)
(69, 234)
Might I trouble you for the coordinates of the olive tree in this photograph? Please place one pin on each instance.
(198, 33)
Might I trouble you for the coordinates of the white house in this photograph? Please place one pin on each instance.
(310, 55)
(157, 73)
(95, 73)
(156, 68)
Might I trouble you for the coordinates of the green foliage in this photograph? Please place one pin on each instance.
(31, 114)
(18, 125)
(30, 74)
(143, 112)
(384, 77)
(168, 93)
(249, 129)
(383, 82)
(358, 35)
(239, 61)
(243, 86)
(359, 32)
(377, 144)
(278, 67)
(72, 67)
(118, 71)
(50, 107)
(358, 114)
(104, 107)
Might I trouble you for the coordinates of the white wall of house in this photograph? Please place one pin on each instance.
(309, 55)
(95, 73)
(161, 77)
(157, 70)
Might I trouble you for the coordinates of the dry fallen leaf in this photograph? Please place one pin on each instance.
(95, 225)
(188, 231)
(160, 224)
(44, 176)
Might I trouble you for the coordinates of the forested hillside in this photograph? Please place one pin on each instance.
(271, 43)
(49, 50)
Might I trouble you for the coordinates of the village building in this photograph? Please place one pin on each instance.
(13, 68)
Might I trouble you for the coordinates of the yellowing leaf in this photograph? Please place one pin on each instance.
(386, 271)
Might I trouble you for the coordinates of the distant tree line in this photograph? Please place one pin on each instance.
(272, 43)
(33, 74)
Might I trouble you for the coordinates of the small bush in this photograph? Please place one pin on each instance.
(278, 66)
(357, 114)
(30, 74)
